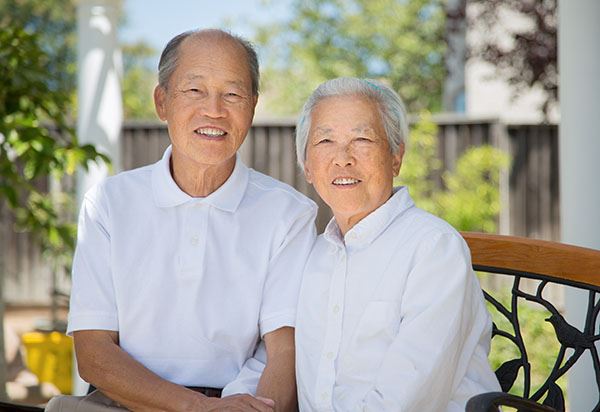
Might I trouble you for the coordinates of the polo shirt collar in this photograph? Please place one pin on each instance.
(227, 197)
(368, 229)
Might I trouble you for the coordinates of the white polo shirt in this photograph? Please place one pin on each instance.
(191, 284)
(391, 317)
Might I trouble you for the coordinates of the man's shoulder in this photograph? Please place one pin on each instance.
(265, 187)
(125, 183)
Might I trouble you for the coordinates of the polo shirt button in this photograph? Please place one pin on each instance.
(324, 395)
(336, 309)
(329, 355)
(194, 240)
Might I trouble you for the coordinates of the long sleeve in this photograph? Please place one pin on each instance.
(442, 316)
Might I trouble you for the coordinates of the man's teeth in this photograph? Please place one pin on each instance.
(210, 131)
(345, 181)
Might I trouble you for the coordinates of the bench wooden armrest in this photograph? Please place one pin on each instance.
(531, 267)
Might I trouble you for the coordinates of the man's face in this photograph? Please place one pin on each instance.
(208, 103)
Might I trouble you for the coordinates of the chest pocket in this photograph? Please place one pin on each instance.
(374, 333)
(379, 322)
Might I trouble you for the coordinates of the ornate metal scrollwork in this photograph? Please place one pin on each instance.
(569, 337)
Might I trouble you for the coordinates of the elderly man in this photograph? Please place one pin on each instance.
(187, 271)
(390, 314)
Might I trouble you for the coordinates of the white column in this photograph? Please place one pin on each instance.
(579, 68)
(100, 108)
(453, 98)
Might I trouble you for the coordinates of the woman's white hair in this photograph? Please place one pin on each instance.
(391, 109)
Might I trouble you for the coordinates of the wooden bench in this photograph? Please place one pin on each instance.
(532, 266)
(543, 263)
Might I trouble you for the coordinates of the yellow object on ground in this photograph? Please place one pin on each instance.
(49, 355)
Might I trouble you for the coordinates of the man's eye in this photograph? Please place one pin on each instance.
(232, 97)
(363, 139)
(323, 141)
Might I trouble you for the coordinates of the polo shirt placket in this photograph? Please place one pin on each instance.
(192, 244)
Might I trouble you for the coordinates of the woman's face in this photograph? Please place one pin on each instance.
(348, 158)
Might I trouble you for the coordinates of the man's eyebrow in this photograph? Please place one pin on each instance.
(192, 76)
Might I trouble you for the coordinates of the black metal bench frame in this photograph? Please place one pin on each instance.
(546, 263)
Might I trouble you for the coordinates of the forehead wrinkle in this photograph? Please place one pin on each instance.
(363, 128)
(194, 76)
(323, 130)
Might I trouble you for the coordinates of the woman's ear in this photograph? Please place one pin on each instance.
(397, 160)
(307, 174)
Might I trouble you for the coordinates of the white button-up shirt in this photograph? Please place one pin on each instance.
(191, 284)
(391, 317)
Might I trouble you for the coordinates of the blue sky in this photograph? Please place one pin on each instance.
(157, 21)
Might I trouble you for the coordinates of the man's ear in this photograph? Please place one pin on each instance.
(397, 160)
(159, 102)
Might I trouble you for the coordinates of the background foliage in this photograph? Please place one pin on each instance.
(400, 42)
(30, 105)
(55, 22)
(530, 57)
(468, 196)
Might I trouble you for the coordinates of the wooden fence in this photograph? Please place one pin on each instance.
(530, 189)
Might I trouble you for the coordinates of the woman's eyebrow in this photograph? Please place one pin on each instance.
(363, 129)
(323, 130)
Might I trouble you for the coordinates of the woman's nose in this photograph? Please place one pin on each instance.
(343, 157)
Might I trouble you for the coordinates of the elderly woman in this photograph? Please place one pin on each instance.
(391, 316)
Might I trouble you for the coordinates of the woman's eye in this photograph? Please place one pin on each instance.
(363, 139)
(323, 141)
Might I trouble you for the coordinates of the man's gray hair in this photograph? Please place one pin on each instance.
(391, 108)
(169, 56)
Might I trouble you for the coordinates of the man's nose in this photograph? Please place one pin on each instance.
(213, 106)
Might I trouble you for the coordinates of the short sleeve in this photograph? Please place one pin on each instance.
(282, 284)
(92, 304)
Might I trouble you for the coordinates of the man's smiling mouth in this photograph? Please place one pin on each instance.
(210, 132)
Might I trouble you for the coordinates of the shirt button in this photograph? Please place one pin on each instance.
(336, 309)
(324, 395)
(194, 240)
(329, 355)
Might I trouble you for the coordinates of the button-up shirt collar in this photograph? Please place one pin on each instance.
(368, 229)
(227, 197)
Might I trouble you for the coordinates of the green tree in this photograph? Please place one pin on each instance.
(30, 151)
(469, 196)
(530, 58)
(55, 21)
(401, 42)
(139, 80)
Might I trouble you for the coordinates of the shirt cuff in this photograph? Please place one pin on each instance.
(277, 320)
(92, 321)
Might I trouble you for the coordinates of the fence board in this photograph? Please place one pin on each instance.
(532, 182)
